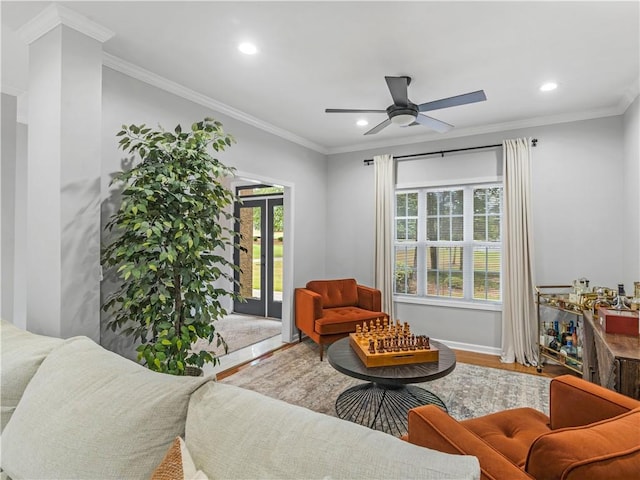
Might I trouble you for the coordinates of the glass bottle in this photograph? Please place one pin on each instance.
(634, 304)
(601, 300)
(619, 303)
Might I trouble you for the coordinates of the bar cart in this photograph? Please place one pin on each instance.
(560, 327)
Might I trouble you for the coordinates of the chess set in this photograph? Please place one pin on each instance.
(380, 344)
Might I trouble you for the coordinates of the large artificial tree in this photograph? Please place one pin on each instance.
(172, 233)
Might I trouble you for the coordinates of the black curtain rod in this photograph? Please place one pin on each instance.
(369, 161)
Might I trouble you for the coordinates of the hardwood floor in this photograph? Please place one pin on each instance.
(493, 361)
(462, 356)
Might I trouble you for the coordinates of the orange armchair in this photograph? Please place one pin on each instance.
(327, 310)
(591, 433)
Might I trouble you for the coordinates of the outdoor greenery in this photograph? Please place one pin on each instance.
(444, 277)
(278, 213)
(438, 218)
(277, 267)
(171, 232)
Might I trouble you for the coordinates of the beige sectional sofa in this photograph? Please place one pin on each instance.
(71, 409)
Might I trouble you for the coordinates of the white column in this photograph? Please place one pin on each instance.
(63, 177)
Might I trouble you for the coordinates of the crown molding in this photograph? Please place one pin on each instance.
(139, 73)
(483, 129)
(55, 15)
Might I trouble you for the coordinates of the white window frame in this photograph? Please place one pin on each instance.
(468, 244)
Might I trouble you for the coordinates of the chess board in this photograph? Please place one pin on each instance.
(382, 344)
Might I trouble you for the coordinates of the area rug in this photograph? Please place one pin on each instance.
(296, 375)
(240, 331)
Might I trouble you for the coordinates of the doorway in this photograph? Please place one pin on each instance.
(260, 222)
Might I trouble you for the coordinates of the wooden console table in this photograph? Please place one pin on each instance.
(612, 360)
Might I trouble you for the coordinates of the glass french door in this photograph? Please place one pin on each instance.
(260, 258)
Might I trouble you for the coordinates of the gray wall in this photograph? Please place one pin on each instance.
(256, 154)
(7, 200)
(577, 184)
(631, 176)
(20, 246)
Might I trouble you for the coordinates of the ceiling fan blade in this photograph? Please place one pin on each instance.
(350, 110)
(463, 99)
(379, 127)
(398, 88)
(434, 124)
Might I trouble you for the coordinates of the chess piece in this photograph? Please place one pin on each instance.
(372, 347)
(412, 343)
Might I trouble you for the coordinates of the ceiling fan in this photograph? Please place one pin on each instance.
(403, 112)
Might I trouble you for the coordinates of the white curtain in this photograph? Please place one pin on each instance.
(385, 184)
(519, 327)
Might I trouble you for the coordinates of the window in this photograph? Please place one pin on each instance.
(448, 242)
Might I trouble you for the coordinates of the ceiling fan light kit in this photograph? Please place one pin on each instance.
(405, 113)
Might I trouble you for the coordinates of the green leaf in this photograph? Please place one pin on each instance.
(174, 212)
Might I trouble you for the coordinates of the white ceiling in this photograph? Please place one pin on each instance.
(317, 55)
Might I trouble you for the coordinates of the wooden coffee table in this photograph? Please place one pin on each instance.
(385, 400)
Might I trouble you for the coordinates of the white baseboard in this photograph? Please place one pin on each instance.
(469, 347)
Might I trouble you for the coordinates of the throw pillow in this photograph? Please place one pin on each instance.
(177, 464)
(22, 353)
(89, 413)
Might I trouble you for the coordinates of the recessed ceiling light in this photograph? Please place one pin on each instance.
(362, 123)
(547, 87)
(248, 48)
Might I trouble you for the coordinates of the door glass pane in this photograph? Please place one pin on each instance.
(251, 253)
(278, 239)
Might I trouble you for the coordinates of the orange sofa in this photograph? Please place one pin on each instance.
(591, 433)
(327, 310)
